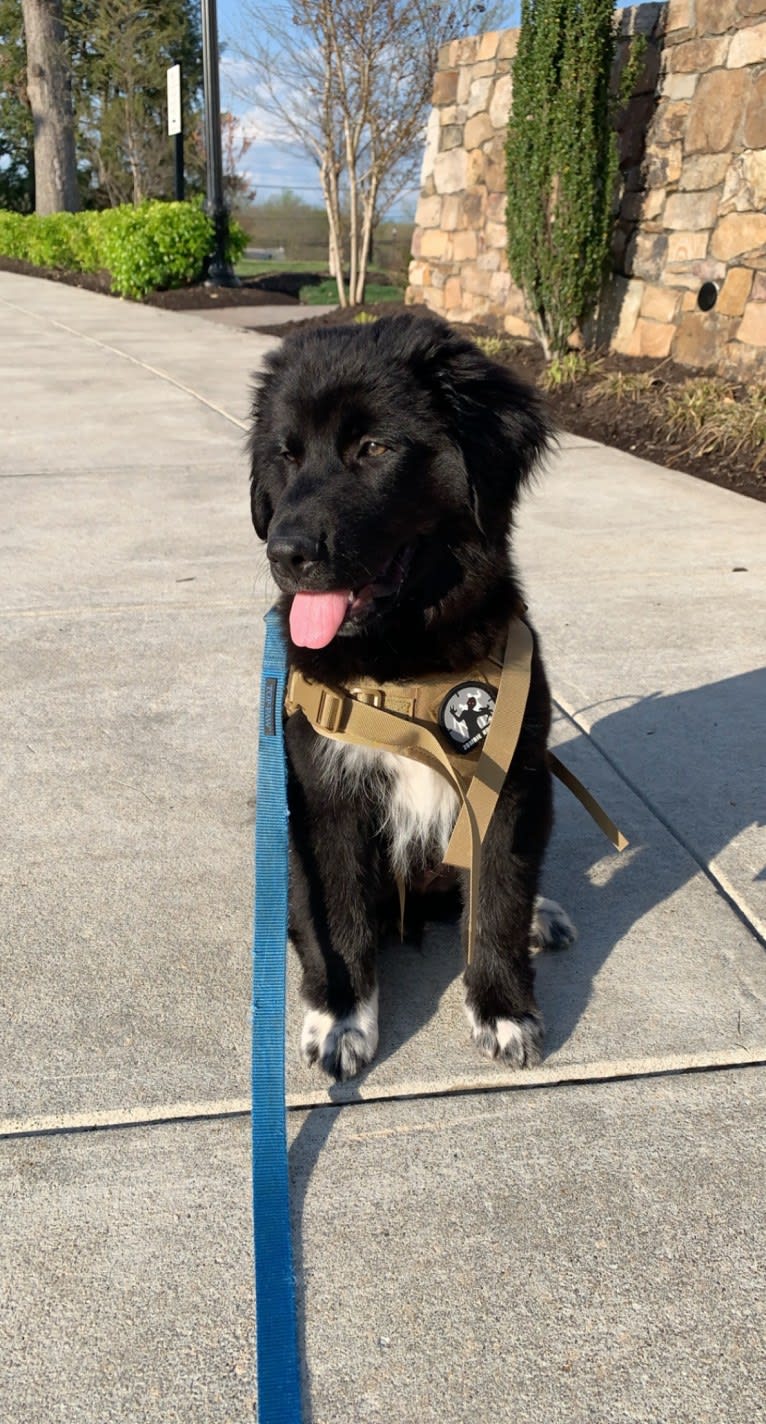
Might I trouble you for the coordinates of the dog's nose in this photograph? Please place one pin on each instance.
(293, 550)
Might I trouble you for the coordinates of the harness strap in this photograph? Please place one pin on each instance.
(499, 745)
(399, 718)
(343, 719)
(358, 716)
(592, 806)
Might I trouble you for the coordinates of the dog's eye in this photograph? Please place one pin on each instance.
(372, 448)
(288, 455)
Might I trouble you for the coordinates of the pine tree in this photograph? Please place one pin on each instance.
(115, 54)
(16, 127)
(121, 51)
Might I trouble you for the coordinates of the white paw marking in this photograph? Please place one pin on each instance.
(515, 1042)
(341, 1046)
(551, 926)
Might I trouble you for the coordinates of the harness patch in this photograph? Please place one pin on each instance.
(466, 712)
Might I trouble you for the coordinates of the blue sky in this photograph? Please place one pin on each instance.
(268, 166)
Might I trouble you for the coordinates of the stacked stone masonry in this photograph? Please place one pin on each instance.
(692, 206)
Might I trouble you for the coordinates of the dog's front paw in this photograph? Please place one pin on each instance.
(551, 926)
(517, 1041)
(342, 1047)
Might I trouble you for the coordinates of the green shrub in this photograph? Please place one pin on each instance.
(562, 161)
(237, 241)
(52, 241)
(65, 240)
(87, 241)
(13, 235)
(144, 249)
(154, 246)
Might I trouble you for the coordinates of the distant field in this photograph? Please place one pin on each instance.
(246, 267)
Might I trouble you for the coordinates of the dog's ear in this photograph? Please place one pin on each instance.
(259, 446)
(261, 507)
(498, 422)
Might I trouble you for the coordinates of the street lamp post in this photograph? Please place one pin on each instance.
(220, 271)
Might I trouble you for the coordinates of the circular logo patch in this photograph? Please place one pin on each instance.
(466, 713)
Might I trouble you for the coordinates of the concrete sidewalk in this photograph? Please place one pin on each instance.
(254, 318)
(583, 1243)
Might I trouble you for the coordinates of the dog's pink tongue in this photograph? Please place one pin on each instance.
(316, 617)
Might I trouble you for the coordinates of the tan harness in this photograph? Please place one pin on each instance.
(408, 719)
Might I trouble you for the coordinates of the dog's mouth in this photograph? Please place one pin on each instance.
(317, 618)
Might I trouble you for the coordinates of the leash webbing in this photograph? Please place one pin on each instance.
(279, 1380)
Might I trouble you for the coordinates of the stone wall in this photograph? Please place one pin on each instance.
(693, 171)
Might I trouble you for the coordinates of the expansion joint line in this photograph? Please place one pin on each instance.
(710, 870)
(134, 360)
(346, 1096)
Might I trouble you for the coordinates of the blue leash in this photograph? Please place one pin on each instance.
(279, 1378)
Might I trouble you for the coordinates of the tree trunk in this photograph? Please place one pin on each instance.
(353, 211)
(51, 103)
(365, 248)
(329, 181)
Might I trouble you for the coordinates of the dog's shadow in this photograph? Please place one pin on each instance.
(686, 756)
(695, 760)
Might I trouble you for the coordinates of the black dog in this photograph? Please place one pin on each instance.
(386, 460)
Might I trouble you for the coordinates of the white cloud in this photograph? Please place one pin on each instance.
(235, 73)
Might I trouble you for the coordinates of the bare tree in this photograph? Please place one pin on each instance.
(48, 88)
(234, 148)
(349, 82)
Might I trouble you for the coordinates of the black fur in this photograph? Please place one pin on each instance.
(460, 436)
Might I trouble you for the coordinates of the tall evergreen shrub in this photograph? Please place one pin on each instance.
(562, 162)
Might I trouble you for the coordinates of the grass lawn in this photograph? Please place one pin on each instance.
(326, 293)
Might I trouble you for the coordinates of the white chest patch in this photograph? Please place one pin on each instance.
(418, 807)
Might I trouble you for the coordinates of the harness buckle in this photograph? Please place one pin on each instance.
(330, 714)
(369, 696)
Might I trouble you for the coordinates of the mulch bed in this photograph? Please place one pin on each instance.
(89, 281)
(252, 291)
(612, 420)
(625, 424)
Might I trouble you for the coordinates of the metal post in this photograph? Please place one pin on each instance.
(220, 271)
(175, 128)
(180, 185)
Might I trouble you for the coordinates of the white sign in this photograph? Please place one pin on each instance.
(174, 100)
